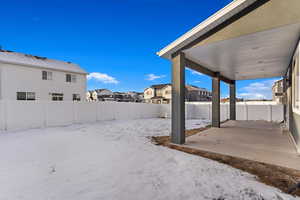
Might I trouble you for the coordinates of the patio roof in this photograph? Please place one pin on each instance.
(246, 40)
(259, 55)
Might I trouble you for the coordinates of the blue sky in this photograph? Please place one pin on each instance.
(115, 40)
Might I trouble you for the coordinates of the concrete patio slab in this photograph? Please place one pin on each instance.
(254, 140)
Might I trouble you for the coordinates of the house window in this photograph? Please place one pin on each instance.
(76, 97)
(57, 97)
(70, 78)
(21, 95)
(26, 96)
(46, 75)
(30, 96)
(73, 78)
(295, 85)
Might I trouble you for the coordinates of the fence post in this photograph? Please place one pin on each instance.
(271, 118)
(97, 116)
(246, 112)
(209, 112)
(5, 105)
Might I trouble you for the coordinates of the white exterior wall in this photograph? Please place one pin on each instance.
(18, 78)
(146, 96)
(1, 80)
(169, 89)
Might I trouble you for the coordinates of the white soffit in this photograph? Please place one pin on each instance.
(260, 55)
(218, 18)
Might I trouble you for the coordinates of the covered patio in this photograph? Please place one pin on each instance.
(260, 141)
(248, 39)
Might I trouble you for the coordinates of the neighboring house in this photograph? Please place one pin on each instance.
(226, 100)
(107, 95)
(158, 94)
(28, 77)
(122, 97)
(104, 95)
(194, 93)
(277, 91)
(162, 94)
(136, 96)
(88, 96)
(91, 96)
(148, 94)
(128, 97)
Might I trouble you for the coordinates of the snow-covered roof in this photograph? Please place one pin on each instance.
(40, 62)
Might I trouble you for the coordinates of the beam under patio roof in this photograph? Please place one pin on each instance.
(195, 66)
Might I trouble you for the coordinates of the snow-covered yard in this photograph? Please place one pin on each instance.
(115, 160)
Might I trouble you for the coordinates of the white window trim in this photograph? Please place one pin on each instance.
(32, 94)
(49, 75)
(73, 78)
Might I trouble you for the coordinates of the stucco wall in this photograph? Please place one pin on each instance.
(16, 78)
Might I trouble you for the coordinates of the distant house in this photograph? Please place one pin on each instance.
(158, 94)
(162, 94)
(104, 95)
(91, 96)
(194, 93)
(277, 91)
(136, 96)
(122, 97)
(107, 95)
(28, 77)
(128, 97)
(226, 100)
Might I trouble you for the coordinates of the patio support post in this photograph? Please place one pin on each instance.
(178, 99)
(232, 100)
(216, 101)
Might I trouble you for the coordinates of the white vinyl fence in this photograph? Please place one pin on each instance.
(268, 111)
(18, 115)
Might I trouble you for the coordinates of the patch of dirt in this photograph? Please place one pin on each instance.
(279, 177)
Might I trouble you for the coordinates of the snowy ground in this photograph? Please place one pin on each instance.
(114, 160)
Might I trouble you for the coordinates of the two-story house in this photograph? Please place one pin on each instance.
(104, 95)
(194, 93)
(159, 94)
(162, 94)
(277, 91)
(27, 77)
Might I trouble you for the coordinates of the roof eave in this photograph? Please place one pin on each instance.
(207, 25)
(41, 67)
